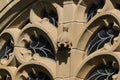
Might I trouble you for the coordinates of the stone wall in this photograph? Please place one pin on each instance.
(59, 40)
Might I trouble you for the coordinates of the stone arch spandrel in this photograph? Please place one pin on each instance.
(95, 60)
(25, 70)
(105, 19)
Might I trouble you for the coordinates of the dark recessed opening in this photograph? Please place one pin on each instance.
(103, 72)
(39, 76)
(103, 36)
(40, 45)
(92, 10)
(6, 49)
(52, 16)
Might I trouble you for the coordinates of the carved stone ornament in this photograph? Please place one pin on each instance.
(64, 40)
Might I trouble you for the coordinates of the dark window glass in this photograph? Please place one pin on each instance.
(52, 16)
(103, 36)
(39, 76)
(103, 72)
(6, 49)
(41, 46)
(93, 9)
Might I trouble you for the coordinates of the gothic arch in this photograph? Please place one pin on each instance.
(94, 27)
(7, 43)
(78, 36)
(86, 10)
(27, 41)
(94, 61)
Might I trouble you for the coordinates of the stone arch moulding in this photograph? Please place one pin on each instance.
(41, 12)
(9, 17)
(91, 66)
(32, 41)
(35, 70)
(107, 21)
(7, 43)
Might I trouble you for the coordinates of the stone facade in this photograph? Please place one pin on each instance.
(59, 40)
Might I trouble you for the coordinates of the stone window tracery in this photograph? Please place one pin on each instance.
(100, 67)
(103, 36)
(103, 72)
(36, 44)
(40, 45)
(7, 48)
(60, 39)
(33, 72)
